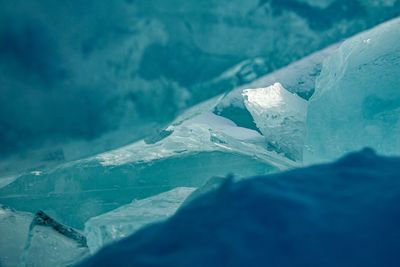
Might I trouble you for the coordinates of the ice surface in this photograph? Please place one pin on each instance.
(137, 70)
(51, 244)
(129, 218)
(280, 116)
(128, 69)
(210, 185)
(14, 229)
(357, 98)
(299, 78)
(197, 146)
(37, 240)
(340, 214)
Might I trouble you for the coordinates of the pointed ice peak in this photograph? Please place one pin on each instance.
(280, 116)
(274, 98)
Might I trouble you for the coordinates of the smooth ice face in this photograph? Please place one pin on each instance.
(51, 244)
(165, 40)
(129, 218)
(357, 98)
(37, 241)
(14, 229)
(197, 146)
(303, 217)
(298, 78)
(280, 116)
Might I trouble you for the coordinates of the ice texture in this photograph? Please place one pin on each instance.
(123, 80)
(298, 78)
(198, 145)
(280, 116)
(14, 229)
(127, 219)
(339, 214)
(37, 240)
(51, 244)
(139, 63)
(357, 98)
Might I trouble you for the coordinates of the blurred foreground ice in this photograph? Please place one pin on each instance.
(340, 214)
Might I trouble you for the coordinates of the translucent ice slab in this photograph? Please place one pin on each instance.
(129, 218)
(298, 78)
(51, 244)
(37, 240)
(357, 98)
(304, 217)
(197, 146)
(280, 116)
(14, 229)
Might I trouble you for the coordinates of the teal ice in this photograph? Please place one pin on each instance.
(114, 128)
(357, 99)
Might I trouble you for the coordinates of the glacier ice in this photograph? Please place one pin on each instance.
(127, 219)
(357, 98)
(280, 116)
(343, 213)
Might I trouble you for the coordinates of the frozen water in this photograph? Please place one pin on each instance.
(210, 185)
(131, 51)
(357, 98)
(298, 78)
(339, 214)
(14, 229)
(129, 218)
(280, 116)
(196, 147)
(51, 244)
(134, 67)
(37, 241)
